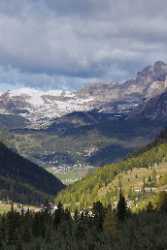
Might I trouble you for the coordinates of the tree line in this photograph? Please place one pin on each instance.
(101, 228)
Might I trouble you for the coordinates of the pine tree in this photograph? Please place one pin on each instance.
(99, 213)
(121, 208)
(59, 215)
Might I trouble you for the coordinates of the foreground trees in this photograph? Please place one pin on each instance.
(100, 229)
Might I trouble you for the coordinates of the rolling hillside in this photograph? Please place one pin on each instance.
(140, 176)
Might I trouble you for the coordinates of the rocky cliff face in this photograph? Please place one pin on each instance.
(154, 110)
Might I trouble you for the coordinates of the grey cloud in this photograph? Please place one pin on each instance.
(23, 79)
(75, 41)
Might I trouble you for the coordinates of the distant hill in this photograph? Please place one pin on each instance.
(23, 181)
(140, 176)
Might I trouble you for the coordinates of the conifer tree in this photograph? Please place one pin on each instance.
(121, 208)
(59, 214)
(99, 213)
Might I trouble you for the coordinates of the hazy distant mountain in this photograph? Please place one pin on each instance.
(40, 108)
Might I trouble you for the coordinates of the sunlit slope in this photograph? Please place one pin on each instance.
(139, 176)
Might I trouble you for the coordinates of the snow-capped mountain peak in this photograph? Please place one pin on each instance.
(40, 107)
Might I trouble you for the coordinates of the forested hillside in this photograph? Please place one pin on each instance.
(23, 181)
(140, 176)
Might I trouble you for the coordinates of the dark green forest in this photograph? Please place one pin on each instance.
(102, 228)
(23, 181)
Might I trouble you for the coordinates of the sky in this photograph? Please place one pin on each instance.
(51, 44)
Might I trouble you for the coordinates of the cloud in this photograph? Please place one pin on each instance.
(68, 43)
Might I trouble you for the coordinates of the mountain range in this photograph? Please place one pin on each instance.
(39, 108)
(69, 133)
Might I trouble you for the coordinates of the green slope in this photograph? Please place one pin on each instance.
(104, 183)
